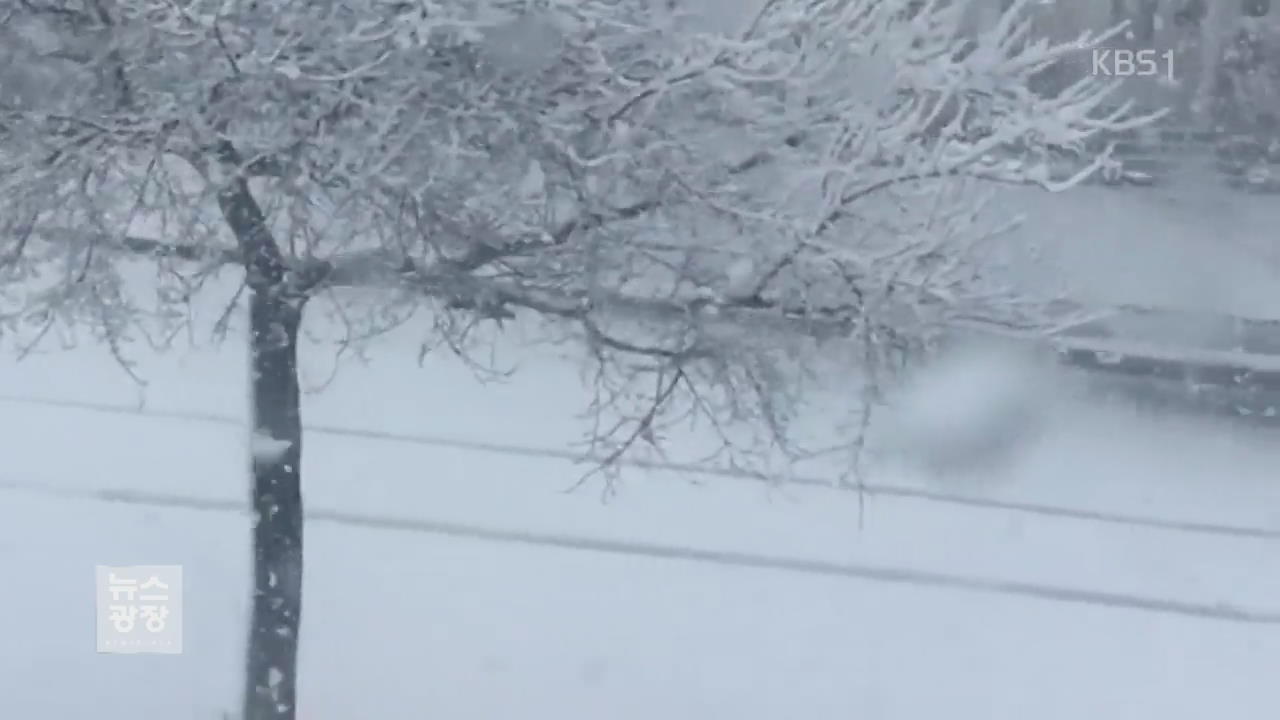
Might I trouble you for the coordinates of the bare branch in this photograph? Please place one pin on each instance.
(680, 199)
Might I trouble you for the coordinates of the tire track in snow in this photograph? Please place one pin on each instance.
(1221, 612)
(871, 489)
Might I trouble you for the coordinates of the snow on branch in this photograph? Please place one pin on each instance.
(658, 178)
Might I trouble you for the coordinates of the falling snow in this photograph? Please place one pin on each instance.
(266, 449)
(1019, 543)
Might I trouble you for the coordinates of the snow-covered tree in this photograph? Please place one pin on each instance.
(695, 201)
(1246, 95)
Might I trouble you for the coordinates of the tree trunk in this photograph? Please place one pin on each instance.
(275, 313)
(271, 681)
(1214, 28)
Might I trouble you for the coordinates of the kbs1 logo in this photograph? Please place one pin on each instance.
(1120, 62)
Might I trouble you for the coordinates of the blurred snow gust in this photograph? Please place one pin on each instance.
(973, 408)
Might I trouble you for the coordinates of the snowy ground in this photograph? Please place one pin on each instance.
(1123, 566)
(1190, 242)
(447, 610)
